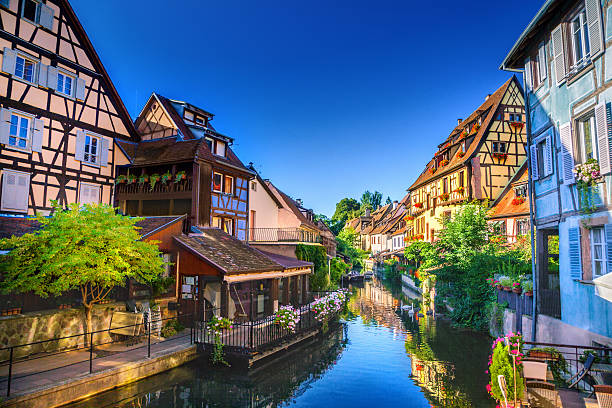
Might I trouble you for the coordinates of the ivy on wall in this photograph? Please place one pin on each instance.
(316, 254)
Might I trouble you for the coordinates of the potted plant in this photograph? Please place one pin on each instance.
(181, 175)
(461, 154)
(587, 176)
(143, 179)
(500, 156)
(120, 179)
(463, 133)
(516, 287)
(166, 177)
(516, 124)
(444, 196)
(506, 283)
(131, 179)
(418, 205)
(408, 218)
(153, 180)
(443, 163)
(527, 285)
(475, 127)
(518, 200)
(459, 190)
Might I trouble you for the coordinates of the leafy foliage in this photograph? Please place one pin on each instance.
(171, 327)
(501, 363)
(317, 255)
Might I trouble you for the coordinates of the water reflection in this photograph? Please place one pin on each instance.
(378, 357)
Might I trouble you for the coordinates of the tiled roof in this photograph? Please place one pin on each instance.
(489, 106)
(151, 225)
(226, 253)
(503, 207)
(286, 261)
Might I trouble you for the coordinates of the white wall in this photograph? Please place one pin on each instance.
(266, 210)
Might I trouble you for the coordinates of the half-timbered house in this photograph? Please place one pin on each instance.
(61, 116)
(475, 162)
(184, 166)
(509, 214)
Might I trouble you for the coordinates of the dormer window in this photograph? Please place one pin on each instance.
(200, 121)
(521, 191)
(209, 143)
(220, 148)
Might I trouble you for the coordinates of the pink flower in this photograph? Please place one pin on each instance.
(489, 387)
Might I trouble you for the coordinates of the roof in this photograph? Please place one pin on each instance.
(293, 206)
(97, 63)
(226, 253)
(19, 226)
(489, 107)
(503, 206)
(287, 262)
(514, 58)
(378, 216)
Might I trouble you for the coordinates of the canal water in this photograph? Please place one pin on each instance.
(378, 356)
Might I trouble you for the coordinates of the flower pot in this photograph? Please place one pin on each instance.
(507, 288)
(518, 291)
(529, 293)
(500, 287)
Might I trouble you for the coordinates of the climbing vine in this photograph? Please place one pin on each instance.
(216, 327)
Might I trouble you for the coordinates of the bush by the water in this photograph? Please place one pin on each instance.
(171, 327)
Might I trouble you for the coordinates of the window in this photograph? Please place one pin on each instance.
(92, 150)
(38, 13)
(209, 143)
(19, 131)
(522, 227)
(598, 251)
(220, 148)
(64, 83)
(217, 177)
(200, 121)
(225, 224)
(515, 117)
(30, 10)
(254, 185)
(445, 185)
(89, 193)
(499, 147)
(25, 68)
(5, 3)
(587, 141)
(521, 191)
(15, 191)
(228, 185)
(579, 40)
(461, 179)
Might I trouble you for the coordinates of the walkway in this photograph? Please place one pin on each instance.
(38, 373)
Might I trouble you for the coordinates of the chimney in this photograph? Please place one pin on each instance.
(367, 212)
(299, 201)
(459, 121)
(487, 97)
(394, 204)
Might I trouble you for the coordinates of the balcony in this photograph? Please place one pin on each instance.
(283, 235)
(143, 191)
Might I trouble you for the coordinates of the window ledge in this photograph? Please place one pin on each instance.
(573, 76)
(90, 164)
(18, 149)
(25, 81)
(586, 282)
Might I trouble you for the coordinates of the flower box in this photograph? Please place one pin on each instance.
(408, 218)
(460, 154)
(444, 196)
(508, 288)
(459, 190)
(500, 156)
(443, 163)
(517, 125)
(418, 205)
(518, 200)
(120, 179)
(475, 127)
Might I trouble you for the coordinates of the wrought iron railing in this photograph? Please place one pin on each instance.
(283, 235)
(159, 187)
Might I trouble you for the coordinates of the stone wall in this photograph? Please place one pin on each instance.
(50, 324)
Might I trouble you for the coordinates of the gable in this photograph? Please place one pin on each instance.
(58, 43)
(154, 121)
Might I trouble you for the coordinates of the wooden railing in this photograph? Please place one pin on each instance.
(283, 235)
(159, 187)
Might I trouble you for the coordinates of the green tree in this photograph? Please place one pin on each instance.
(346, 209)
(91, 249)
(388, 201)
(370, 200)
(421, 254)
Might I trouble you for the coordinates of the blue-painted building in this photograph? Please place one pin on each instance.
(565, 54)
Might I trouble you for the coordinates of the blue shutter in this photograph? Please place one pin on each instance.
(574, 253)
(5, 3)
(608, 232)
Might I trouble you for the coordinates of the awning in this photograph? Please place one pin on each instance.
(243, 277)
(603, 287)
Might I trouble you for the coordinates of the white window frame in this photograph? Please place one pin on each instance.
(30, 118)
(233, 184)
(34, 61)
(495, 147)
(221, 184)
(89, 185)
(72, 87)
(602, 244)
(584, 41)
(590, 117)
(37, 11)
(87, 155)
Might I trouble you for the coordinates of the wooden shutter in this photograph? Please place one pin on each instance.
(608, 233)
(593, 17)
(79, 154)
(558, 53)
(603, 143)
(37, 135)
(542, 66)
(8, 61)
(548, 156)
(533, 150)
(5, 124)
(80, 89)
(528, 79)
(43, 71)
(45, 16)
(103, 151)
(575, 263)
(52, 77)
(15, 191)
(567, 153)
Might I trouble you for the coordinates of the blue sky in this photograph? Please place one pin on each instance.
(327, 98)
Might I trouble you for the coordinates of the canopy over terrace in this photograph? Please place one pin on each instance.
(235, 279)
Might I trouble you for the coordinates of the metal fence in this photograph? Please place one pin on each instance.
(549, 302)
(88, 346)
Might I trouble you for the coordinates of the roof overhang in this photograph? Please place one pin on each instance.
(245, 277)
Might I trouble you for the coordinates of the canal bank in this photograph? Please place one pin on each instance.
(378, 356)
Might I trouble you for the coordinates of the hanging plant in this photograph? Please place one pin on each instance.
(153, 180)
(181, 175)
(120, 179)
(587, 177)
(131, 179)
(166, 177)
(443, 163)
(475, 127)
(444, 196)
(518, 200)
(143, 179)
(287, 318)
(461, 154)
(216, 327)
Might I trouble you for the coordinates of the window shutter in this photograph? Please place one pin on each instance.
(5, 3)
(528, 80)
(103, 151)
(45, 16)
(608, 232)
(80, 89)
(542, 66)
(558, 53)
(79, 154)
(534, 162)
(548, 160)
(37, 135)
(15, 191)
(52, 77)
(8, 61)
(603, 143)
(574, 253)
(5, 122)
(567, 153)
(43, 71)
(593, 17)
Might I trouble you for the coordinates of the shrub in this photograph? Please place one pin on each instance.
(500, 363)
(527, 285)
(171, 328)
